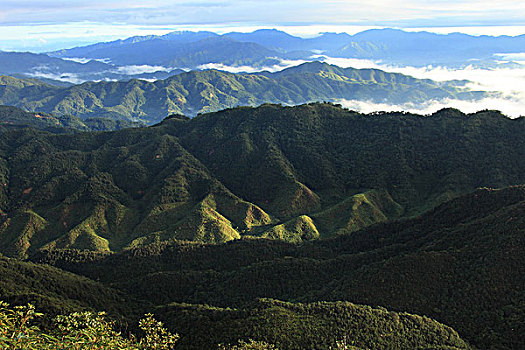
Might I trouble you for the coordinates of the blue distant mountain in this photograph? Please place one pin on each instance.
(159, 57)
(391, 46)
(423, 48)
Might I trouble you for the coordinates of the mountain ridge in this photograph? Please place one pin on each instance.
(211, 90)
(272, 171)
(393, 46)
(459, 263)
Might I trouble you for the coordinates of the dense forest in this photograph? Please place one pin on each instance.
(296, 226)
(204, 91)
(12, 118)
(290, 173)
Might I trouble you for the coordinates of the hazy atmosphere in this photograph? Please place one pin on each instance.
(47, 25)
(42, 26)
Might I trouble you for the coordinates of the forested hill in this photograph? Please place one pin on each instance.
(14, 118)
(288, 173)
(211, 90)
(462, 263)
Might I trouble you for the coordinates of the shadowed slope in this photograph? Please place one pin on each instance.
(296, 173)
(461, 263)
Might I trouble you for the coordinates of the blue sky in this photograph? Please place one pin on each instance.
(44, 25)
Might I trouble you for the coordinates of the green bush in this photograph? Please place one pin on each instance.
(249, 345)
(79, 330)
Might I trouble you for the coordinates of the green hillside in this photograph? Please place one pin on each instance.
(292, 173)
(287, 325)
(211, 90)
(55, 291)
(198, 219)
(307, 326)
(461, 263)
(14, 118)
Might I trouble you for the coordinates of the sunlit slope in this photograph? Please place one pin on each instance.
(461, 263)
(212, 90)
(292, 173)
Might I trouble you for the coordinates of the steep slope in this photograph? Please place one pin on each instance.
(105, 191)
(322, 151)
(205, 91)
(55, 291)
(461, 263)
(358, 211)
(290, 173)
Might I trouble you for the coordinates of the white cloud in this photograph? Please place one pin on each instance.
(65, 77)
(348, 62)
(508, 107)
(231, 69)
(77, 59)
(518, 57)
(250, 69)
(141, 69)
(408, 13)
(84, 60)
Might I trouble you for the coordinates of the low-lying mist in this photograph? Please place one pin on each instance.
(510, 108)
(283, 64)
(505, 85)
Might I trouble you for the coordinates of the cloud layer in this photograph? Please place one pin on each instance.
(283, 64)
(141, 69)
(506, 84)
(510, 108)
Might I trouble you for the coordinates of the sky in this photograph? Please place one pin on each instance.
(42, 26)
(37, 25)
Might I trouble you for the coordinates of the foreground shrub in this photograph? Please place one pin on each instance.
(79, 330)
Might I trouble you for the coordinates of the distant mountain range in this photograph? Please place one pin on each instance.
(63, 72)
(212, 90)
(391, 46)
(158, 57)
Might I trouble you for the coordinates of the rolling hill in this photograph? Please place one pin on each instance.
(14, 118)
(460, 263)
(211, 90)
(203, 327)
(277, 224)
(291, 173)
